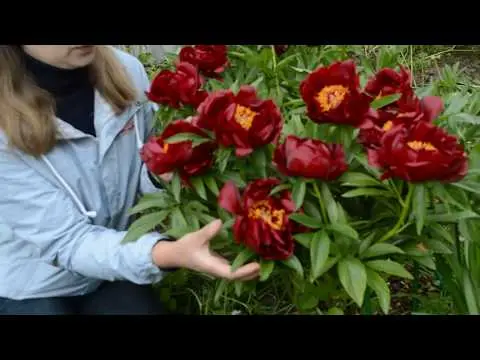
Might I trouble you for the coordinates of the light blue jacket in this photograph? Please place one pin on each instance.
(63, 215)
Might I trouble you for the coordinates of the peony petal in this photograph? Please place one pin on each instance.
(432, 107)
(229, 198)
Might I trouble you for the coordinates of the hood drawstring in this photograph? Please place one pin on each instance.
(76, 199)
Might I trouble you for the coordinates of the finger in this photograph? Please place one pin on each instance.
(247, 272)
(208, 231)
(220, 258)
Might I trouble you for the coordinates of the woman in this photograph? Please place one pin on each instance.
(72, 118)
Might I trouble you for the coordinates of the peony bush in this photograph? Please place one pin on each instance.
(330, 172)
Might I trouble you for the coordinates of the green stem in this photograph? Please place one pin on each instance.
(320, 202)
(395, 190)
(277, 82)
(403, 216)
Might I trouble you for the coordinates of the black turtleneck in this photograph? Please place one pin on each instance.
(71, 89)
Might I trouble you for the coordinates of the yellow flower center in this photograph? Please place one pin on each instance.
(387, 126)
(420, 145)
(262, 210)
(330, 97)
(244, 116)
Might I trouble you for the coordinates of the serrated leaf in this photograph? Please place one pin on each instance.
(319, 251)
(306, 220)
(419, 207)
(381, 289)
(199, 186)
(380, 250)
(266, 268)
(298, 193)
(359, 180)
(293, 263)
(389, 267)
(244, 256)
(211, 184)
(144, 224)
(384, 101)
(176, 186)
(368, 192)
(353, 277)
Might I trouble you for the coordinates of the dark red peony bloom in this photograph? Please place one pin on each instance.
(376, 123)
(211, 60)
(280, 49)
(161, 157)
(182, 87)
(243, 120)
(332, 95)
(310, 158)
(261, 221)
(423, 152)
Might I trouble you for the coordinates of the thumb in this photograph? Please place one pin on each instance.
(209, 231)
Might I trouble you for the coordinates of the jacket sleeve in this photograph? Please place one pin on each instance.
(40, 213)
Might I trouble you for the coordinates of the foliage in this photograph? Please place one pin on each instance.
(359, 230)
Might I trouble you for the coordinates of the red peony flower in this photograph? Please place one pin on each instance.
(332, 95)
(241, 120)
(376, 123)
(422, 152)
(182, 87)
(261, 222)
(388, 82)
(161, 157)
(310, 158)
(210, 60)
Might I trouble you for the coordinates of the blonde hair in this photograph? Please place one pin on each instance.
(27, 112)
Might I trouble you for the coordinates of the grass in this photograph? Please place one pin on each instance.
(454, 69)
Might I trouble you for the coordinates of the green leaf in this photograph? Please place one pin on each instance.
(306, 220)
(144, 224)
(359, 180)
(389, 267)
(335, 311)
(304, 239)
(280, 188)
(148, 204)
(426, 261)
(437, 246)
(452, 217)
(259, 160)
(238, 288)
(298, 193)
(319, 251)
(293, 263)
(266, 268)
(381, 289)
(439, 231)
(384, 101)
(353, 277)
(344, 229)
(368, 192)
(194, 138)
(211, 184)
(222, 157)
(419, 208)
(222, 285)
(330, 203)
(468, 185)
(244, 256)
(232, 176)
(381, 249)
(176, 185)
(470, 293)
(199, 186)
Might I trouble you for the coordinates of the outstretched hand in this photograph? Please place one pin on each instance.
(192, 251)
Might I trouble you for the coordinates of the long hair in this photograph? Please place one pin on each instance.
(27, 112)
